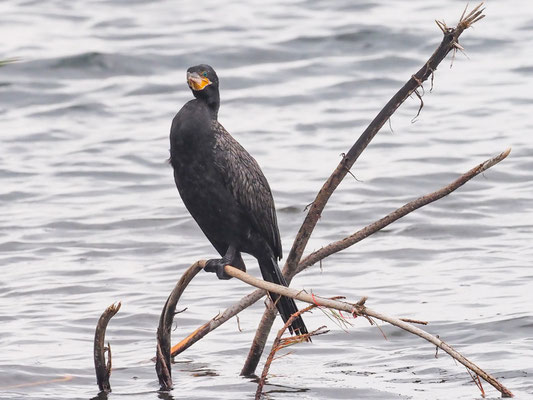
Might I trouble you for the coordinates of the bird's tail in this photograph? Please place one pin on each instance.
(285, 305)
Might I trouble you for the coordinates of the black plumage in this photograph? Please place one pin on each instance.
(224, 189)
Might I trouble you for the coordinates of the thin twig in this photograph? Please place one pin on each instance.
(419, 95)
(8, 61)
(477, 381)
(277, 345)
(414, 321)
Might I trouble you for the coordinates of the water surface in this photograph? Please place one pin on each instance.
(89, 214)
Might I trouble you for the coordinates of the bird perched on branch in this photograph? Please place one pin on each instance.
(224, 189)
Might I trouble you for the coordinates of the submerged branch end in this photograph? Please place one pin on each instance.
(101, 367)
(163, 350)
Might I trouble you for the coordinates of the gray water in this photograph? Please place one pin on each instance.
(89, 214)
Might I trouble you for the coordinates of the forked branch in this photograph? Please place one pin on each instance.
(449, 42)
(334, 247)
(281, 343)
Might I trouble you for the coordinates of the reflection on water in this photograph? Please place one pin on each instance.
(89, 213)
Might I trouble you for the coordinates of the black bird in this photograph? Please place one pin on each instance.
(224, 189)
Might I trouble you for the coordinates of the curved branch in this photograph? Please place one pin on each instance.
(163, 366)
(103, 369)
(360, 309)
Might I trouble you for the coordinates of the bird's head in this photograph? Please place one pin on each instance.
(203, 81)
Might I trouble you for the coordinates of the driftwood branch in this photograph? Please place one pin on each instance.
(254, 296)
(449, 42)
(359, 309)
(103, 369)
(163, 364)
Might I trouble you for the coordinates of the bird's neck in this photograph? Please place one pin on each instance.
(213, 104)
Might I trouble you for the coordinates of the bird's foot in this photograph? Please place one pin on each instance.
(217, 266)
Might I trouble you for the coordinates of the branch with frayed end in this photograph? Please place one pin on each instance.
(465, 22)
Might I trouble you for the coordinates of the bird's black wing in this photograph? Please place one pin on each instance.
(246, 182)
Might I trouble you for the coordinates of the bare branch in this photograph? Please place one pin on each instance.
(451, 38)
(103, 369)
(163, 366)
(399, 213)
(360, 309)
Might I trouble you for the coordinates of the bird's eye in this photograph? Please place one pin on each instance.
(204, 74)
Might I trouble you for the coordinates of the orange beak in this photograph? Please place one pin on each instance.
(197, 82)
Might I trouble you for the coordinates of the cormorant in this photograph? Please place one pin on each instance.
(224, 189)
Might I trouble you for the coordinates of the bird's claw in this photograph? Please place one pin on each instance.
(217, 266)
